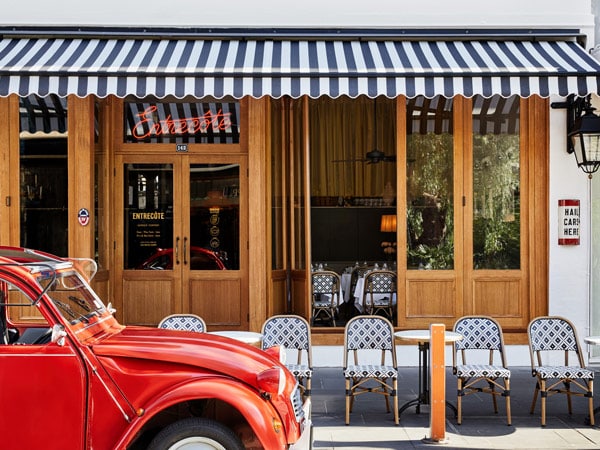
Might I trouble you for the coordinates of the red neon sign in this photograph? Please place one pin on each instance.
(219, 121)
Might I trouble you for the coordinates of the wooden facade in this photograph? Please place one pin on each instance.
(244, 298)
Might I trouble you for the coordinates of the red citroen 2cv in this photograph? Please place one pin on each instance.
(72, 377)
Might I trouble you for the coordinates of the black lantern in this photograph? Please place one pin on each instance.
(583, 132)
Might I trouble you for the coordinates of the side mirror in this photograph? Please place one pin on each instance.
(58, 335)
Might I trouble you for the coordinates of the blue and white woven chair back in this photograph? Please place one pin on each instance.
(381, 282)
(324, 283)
(288, 331)
(552, 333)
(478, 333)
(369, 332)
(183, 322)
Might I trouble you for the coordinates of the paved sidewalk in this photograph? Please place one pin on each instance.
(372, 428)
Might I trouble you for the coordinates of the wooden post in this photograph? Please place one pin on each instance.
(437, 372)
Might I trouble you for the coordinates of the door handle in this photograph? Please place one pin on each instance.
(185, 250)
(177, 250)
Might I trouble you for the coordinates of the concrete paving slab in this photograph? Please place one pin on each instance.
(372, 428)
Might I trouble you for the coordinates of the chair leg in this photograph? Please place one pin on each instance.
(386, 394)
(459, 396)
(494, 400)
(535, 394)
(507, 395)
(569, 402)
(543, 394)
(395, 395)
(348, 406)
(590, 385)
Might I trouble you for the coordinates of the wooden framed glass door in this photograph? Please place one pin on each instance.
(182, 228)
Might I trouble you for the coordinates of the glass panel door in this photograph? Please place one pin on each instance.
(148, 217)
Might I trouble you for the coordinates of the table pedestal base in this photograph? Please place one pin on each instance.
(423, 397)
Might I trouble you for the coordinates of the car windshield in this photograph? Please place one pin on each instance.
(81, 308)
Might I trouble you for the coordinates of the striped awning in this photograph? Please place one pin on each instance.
(275, 68)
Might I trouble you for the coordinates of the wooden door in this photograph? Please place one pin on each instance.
(181, 234)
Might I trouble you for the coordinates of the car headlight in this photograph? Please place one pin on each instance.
(271, 381)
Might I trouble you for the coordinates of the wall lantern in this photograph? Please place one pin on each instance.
(583, 132)
(388, 223)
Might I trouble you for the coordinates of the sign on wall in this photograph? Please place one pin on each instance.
(568, 222)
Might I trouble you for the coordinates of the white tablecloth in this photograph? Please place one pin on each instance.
(359, 292)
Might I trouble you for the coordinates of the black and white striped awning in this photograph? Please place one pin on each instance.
(257, 68)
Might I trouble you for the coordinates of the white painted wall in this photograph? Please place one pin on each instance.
(568, 272)
(307, 13)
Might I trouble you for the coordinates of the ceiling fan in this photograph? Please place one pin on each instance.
(374, 156)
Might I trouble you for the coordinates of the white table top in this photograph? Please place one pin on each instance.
(592, 340)
(425, 335)
(249, 337)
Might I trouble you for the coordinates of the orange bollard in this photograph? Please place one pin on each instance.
(437, 370)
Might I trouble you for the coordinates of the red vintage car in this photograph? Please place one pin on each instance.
(200, 259)
(72, 377)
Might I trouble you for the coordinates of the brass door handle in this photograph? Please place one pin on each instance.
(185, 250)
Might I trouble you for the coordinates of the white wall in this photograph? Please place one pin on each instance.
(309, 13)
(569, 265)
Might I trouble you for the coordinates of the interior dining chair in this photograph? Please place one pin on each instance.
(552, 337)
(379, 293)
(364, 335)
(325, 295)
(480, 334)
(293, 333)
(183, 322)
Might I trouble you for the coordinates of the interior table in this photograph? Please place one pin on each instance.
(422, 337)
(248, 337)
(593, 340)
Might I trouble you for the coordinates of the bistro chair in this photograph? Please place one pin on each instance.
(362, 336)
(325, 295)
(293, 333)
(480, 334)
(555, 337)
(183, 322)
(379, 294)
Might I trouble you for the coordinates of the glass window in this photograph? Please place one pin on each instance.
(44, 174)
(215, 216)
(429, 184)
(496, 183)
(148, 216)
(164, 122)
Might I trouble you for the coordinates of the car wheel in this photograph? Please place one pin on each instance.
(196, 434)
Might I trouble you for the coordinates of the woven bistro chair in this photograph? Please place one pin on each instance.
(362, 335)
(293, 333)
(556, 336)
(379, 294)
(325, 295)
(480, 334)
(183, 322)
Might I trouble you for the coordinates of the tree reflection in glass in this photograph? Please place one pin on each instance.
(429, 184)
(496, 166)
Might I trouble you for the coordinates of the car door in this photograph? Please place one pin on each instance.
(42, 386)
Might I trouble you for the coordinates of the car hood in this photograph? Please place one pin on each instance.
(203, 350)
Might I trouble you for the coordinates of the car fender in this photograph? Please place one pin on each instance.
(259, 413)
